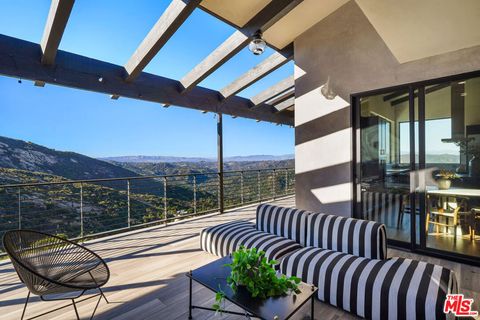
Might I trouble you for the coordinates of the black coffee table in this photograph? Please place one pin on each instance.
(214, 277)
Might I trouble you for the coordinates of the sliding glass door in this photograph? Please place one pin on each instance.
(418, 165)
(451, 176)
(384, 168)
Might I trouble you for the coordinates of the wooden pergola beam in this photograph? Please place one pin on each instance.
(52, 35)
(174, 16)
(273, 91)
(281, 97)
(20, 59)
(270, 64)
(272, 12)
(230, 47)
(285, 104)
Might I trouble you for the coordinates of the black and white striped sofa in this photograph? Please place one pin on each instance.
(345, 258)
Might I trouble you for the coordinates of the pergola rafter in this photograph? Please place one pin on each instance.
(281, 97)
(270, 64)
(174, 16)
(273, 91)
(273, 12)
(284, 105)
(56, 23)
(230, 47)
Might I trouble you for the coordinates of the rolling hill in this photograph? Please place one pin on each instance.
(22, 155)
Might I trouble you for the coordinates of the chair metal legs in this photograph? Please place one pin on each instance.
(100, 296)
(25, 307)
(100, 289)
(103, 295)
(96, 306)
(75, 307)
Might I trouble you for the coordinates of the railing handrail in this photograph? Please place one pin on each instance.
(36, 184)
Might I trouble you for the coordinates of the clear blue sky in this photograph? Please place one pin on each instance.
(92, 124)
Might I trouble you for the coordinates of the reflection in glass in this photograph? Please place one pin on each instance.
(384, 175)
(452, 174)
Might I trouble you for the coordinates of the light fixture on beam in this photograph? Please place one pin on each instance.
(204, 111)
(100, 79)
(166, 105)
(257, 45)
(327, 90)
(234, 117)
(258, 120)
(114, 96)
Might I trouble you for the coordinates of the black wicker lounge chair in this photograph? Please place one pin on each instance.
(55, 267)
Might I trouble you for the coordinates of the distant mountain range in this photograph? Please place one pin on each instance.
(159, 159)
(30, 157)
(22, 155)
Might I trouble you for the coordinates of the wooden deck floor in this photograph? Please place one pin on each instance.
(147, 276)
(148, 279)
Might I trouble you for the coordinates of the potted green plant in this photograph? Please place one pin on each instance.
(444, 181)
(253, 271)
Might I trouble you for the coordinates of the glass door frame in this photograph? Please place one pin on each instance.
(417, 183)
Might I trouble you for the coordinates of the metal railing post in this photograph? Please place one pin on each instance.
(165, 200)
(221, 199)
(194, 194)
(81, 210)
(273, 184)
(19, 209)
(241, 187)
(286, 181)
(220, 193)
(128, 203)
(258, 186)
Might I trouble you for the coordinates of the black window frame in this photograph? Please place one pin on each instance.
(412, 87)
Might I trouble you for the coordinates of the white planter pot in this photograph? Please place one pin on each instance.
(444, 184)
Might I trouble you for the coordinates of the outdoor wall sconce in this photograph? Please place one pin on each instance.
(327, 90)
(257, 45)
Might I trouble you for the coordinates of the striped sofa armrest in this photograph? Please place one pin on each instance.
(289, 223)
(361, 238)
(394, 288)
(216, 239)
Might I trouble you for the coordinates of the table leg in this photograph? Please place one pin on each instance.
(190, 299)
(312, 308)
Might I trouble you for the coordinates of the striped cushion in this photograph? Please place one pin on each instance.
(275, 247)
(216, 239)
(284, 222)
(358, 237)
(396, 288)
(224, 239)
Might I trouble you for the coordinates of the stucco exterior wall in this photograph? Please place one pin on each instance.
(346, 47)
